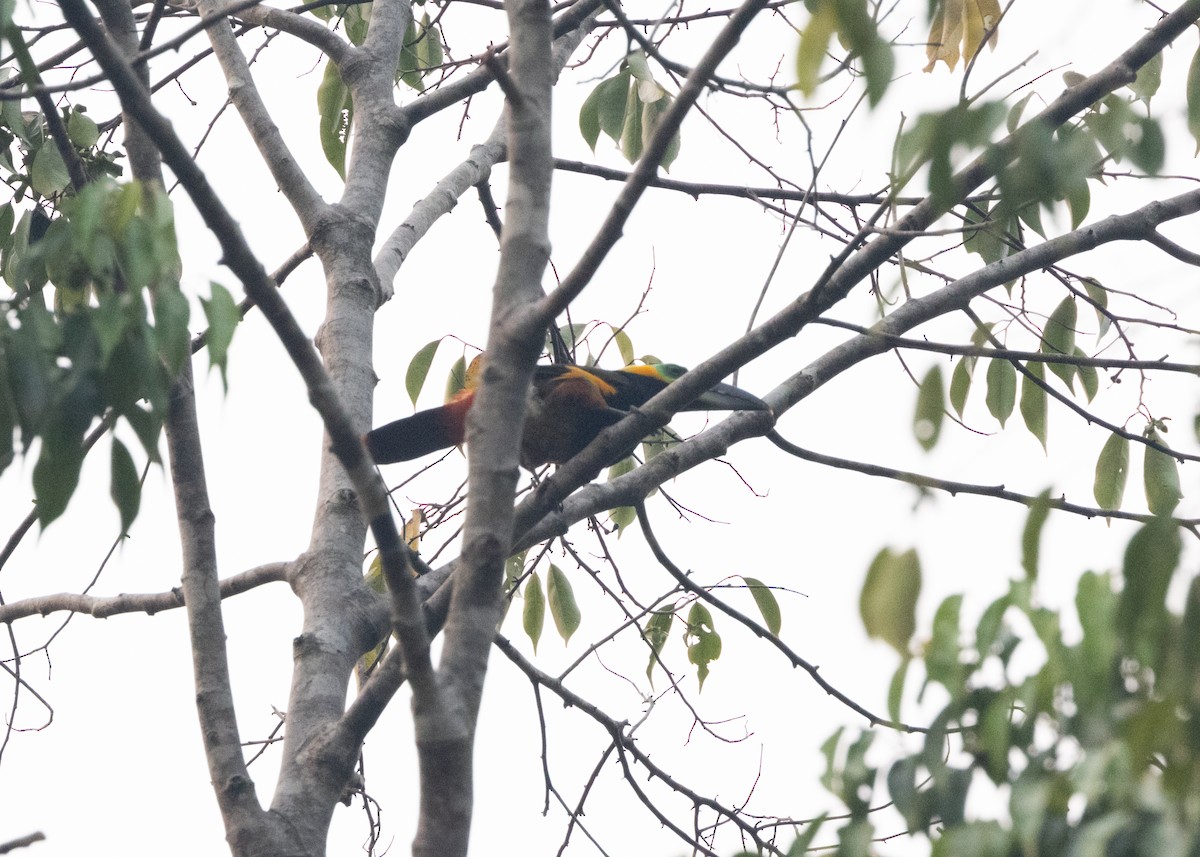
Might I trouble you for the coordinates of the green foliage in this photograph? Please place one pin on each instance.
(960, 383)
(1033, 400)
(622, 516)
(1031, 537)
(1112, 470)
(421, 53)
(767, 604)
(1044, 168)
(223, 317)
(377, 584)
(931, 409)
(418, 369)
(935, 137)
(1160, 473)
(656, 632)
(533, 616)
(702, 640)
(126, 486)
(563, 606)
(852, 22)
(336, 109)
(627, 107)
(1095, 737)
(1001, 388)
(112, 344)
(1058, 337)
(1126, 133)
(888, 604)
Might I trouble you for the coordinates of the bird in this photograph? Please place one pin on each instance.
(569, 405)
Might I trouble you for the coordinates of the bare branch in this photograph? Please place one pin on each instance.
(288, 174)
(954, 488)
(102, 607)
(759, 631)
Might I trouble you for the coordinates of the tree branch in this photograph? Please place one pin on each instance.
(243, 92)
(102, 607)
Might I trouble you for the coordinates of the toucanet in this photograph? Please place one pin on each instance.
(569, 405)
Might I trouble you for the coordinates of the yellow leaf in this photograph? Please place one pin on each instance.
(958, 29)
(412, 529)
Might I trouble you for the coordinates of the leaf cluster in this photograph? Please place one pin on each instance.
(1097, 740)
(95, 326)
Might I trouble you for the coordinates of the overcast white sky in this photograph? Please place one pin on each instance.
(121, 767)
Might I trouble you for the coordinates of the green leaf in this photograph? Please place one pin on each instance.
(888, 603)
(621, 516)
(336, 110)
(1079, 201)
(171, 311)
(896, 688)
(429, 48)
(533, 616)
(604, 109)
(652, 111)
(1150, 148)
(1058, 337)
(514, 567)
(1088, 376)
(624, 345)
(55, 477)
(703, 641)
(126, 486)
(147, 425)
(611, 102)
(1013, 119)
(656, 632)
(972, 839)
(902, 786)
(562, 603)
(375, 582)
(1099, 296)
(408, 69)
(1149, 78)
(1001, 388)
(990, 625)
(829, 751)
(82, 130)
(1150, 561)
(1193, 99)
(767, 605)
(456, 381)
(1031, 538)
(1160, 473)
(7, 220)
(931, 409)
(1033, 401)
(223, 316)
(1112, 470)
(418, 369)
(800, 847)
(814, 44)
(1096, 606)
(943, 662)
(960, 383)
(631, 140)
(638, 66)
(49, 175)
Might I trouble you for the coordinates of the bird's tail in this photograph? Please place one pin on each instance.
(422, 433)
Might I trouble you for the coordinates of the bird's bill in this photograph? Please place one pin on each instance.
(726, 397)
